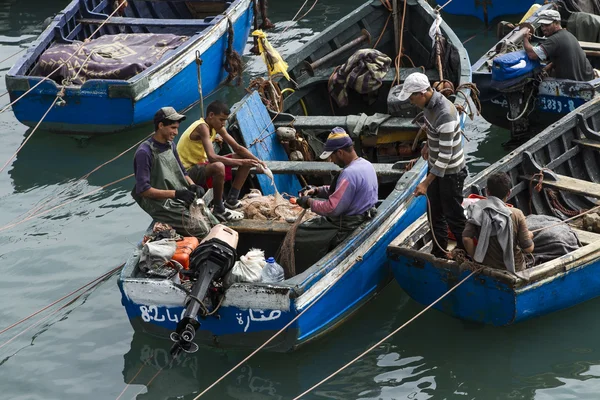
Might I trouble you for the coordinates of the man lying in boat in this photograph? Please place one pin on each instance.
(208, 169)
(343, 206)
(560, 49)
(162, 187)
(501, 231)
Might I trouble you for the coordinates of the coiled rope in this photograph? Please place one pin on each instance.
(233, 60)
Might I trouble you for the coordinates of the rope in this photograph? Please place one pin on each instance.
(66, 61)
(383, 30)
(388, 336)
(303, 15)
(266, 24)
(5, 227)
(112, 271)
(524, 109)
(233, 60)
(9, 57)
(198, 65)
(287, 251)
(254, 49)
(397, 61)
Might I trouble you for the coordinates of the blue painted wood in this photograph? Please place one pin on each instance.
(146, 22)
(81, 112)
(495, 8)
(259, 135)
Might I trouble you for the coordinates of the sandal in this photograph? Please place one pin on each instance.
(233, 205)
(228, 215)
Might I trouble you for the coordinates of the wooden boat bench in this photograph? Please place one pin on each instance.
(329, 122)
(144, 22)
(255, 226)
(556, 181)
(317, 168)
(586, 237)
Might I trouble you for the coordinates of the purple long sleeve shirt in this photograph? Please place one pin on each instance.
(142, 163)
(355, 192)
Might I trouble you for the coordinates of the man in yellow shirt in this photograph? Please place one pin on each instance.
(208, 169)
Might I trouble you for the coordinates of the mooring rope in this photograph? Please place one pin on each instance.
(101, 277)
(294, 22)
(389, 336)
(66, 61)
(12, 225)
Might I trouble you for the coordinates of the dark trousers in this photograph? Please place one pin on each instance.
(445, 200)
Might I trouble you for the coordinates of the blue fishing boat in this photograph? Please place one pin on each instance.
(486, 10)
(566, 155)
(326, 293)
(528, 102)
(139, 61)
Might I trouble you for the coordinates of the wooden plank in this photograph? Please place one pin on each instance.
(143, 22)
(589, 45)
(326, 168)
(259, 226)
(566, 183)
(328, 122)
(258, 133)
(592, 144)
(586, 237)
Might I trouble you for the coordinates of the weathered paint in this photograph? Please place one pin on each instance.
(495, 296)
(128, 103)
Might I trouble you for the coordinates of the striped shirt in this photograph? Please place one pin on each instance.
(444, 139)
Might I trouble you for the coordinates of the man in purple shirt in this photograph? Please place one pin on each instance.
(162, 187)
(342, 206)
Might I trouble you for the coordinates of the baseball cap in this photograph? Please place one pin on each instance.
(168, 113)
(414, 83)
(548, 16)
(337, 139)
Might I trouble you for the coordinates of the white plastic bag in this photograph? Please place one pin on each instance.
(247, 269)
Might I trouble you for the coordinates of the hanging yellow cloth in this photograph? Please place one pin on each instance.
(272, 58)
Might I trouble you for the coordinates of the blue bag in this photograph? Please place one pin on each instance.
(512, 65)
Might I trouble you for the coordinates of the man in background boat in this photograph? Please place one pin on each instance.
(162, 187)
(208, 169)
(444, 153)
(561, 49)
(501, 231)
(343, 206)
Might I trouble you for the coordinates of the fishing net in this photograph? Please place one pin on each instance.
(200, 221)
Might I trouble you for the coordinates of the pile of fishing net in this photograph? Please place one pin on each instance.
(272, 208)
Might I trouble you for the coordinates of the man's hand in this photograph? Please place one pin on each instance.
(421, 189)
(308, 190)
(425, 152)
(248, 162)
(199, 190)
(303, 201)
(187, 196)
(527, 33)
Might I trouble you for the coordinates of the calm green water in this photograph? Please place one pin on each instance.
(88, 350)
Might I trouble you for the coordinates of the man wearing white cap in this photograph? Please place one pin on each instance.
(560, 49)
(444, 153)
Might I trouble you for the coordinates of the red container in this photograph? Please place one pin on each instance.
(184, 249)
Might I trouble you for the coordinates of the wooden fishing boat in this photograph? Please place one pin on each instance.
(566, 153)
(486, 10)
(157, 41)
(329, 291)
(528, 106)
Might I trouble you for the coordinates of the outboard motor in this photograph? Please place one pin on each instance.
(211, 260)
(514, 75)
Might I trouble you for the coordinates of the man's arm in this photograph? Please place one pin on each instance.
(337, 203)
(528, 46)
(202, 134)
(467, 237)
(524, 235)
(240, 150)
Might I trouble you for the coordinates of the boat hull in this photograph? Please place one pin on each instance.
(106, 106)
(252, 313)
(487, 10)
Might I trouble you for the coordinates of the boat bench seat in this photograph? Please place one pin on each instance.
(259, 226)
(586, 237)
(328, 122)
(143, 22)
(590, 144)
(568, 184)
(316, 168)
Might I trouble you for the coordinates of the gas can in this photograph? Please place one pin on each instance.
(185, 247)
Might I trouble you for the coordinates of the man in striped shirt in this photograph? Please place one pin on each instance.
(444, 153)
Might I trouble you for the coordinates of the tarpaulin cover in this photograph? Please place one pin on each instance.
(512, 65)
(119, 56)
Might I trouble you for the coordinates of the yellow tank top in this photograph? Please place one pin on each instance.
(192, 152)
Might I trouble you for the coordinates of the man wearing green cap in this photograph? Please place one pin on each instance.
(561, 49)
(342, 206)
(162, 187)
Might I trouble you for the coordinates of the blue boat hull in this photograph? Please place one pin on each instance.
(490, 300)
(105, 106)
(238, 324)
(491, 10)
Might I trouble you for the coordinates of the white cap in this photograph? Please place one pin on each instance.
(414, 83)
(548, 16)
